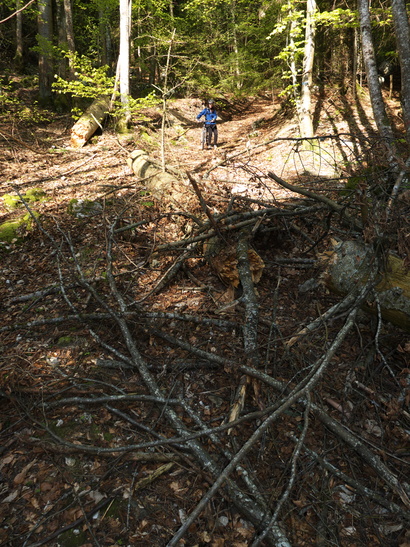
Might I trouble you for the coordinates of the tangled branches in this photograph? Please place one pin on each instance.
(188, 382)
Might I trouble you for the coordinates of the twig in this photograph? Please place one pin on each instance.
(286, 493)
(168, 275)
(322, 199)
(305, 386)
(204, 206)
(363, 490)
(74, 524)
(246, 505)
(250, 328)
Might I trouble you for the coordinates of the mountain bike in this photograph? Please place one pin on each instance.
(204, 134)
(204, 137)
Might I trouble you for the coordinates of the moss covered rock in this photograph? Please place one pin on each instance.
(83, 208)
(13, 231)
(33, 195)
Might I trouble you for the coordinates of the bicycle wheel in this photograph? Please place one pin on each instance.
(203, 137)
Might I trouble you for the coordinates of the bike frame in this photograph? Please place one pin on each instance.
(203, 136)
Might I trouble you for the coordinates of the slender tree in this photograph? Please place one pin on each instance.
(69, 34)
(45, 61)
(402, 28)
(18, 58)
(124, 62)
(369, 59)
(304, 106)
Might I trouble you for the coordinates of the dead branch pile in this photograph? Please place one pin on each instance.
(264, 408)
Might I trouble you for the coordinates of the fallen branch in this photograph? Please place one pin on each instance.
(317, 197)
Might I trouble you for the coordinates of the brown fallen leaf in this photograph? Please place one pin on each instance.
(21, 477)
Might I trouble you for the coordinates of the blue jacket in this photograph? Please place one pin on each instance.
(210, 116)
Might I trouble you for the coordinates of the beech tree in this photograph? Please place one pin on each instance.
(402, 31)
(45, 60)
(124, 61)
(69, 34)
(18, 58)
(304, 106)
(369, 58)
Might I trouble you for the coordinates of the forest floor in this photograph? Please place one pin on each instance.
(76, 406)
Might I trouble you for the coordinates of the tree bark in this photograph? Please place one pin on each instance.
(161, 185)
(69, 32)
(45, 61)
(349, 266)
(18, 57)
(305, 115)
(89, 122)
(124, 63)
(402, 28)
(376, 98)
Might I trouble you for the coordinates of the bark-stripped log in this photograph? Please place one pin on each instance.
(160, 184)
(350, 264)
(89, 122)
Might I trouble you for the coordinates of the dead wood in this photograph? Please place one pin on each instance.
(332, 205)
(349, 265)
(89, 122)
(160, 184)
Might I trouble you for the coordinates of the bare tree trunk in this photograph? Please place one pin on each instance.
(106, 54)
(18, 57)
(369, 58)
(164, 101)
(45, 61)
(355, 62)
(124, 63)
(293, 69)
(402, 28)
(69, 32)
(305, 115)
(235, 46)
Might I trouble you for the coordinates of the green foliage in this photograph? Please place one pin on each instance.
(91, 81)
(135, 106)
(338, 18)
(13, 108)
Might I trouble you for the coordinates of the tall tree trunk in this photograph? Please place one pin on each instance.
(164, 100)
(18, 57)
(293, 69)
(235, 45)
(69, 32)
(124, 62)
(369, 59)
(355, 62)
(402, 28)
(304, 106)
(45, 61)
(106, 53)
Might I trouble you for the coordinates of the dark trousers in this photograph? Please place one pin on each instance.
(211, 129)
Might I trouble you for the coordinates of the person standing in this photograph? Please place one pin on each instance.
(210, 116)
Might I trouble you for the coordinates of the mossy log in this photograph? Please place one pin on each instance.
(349, 266)
(89, 122)
(160, 184)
